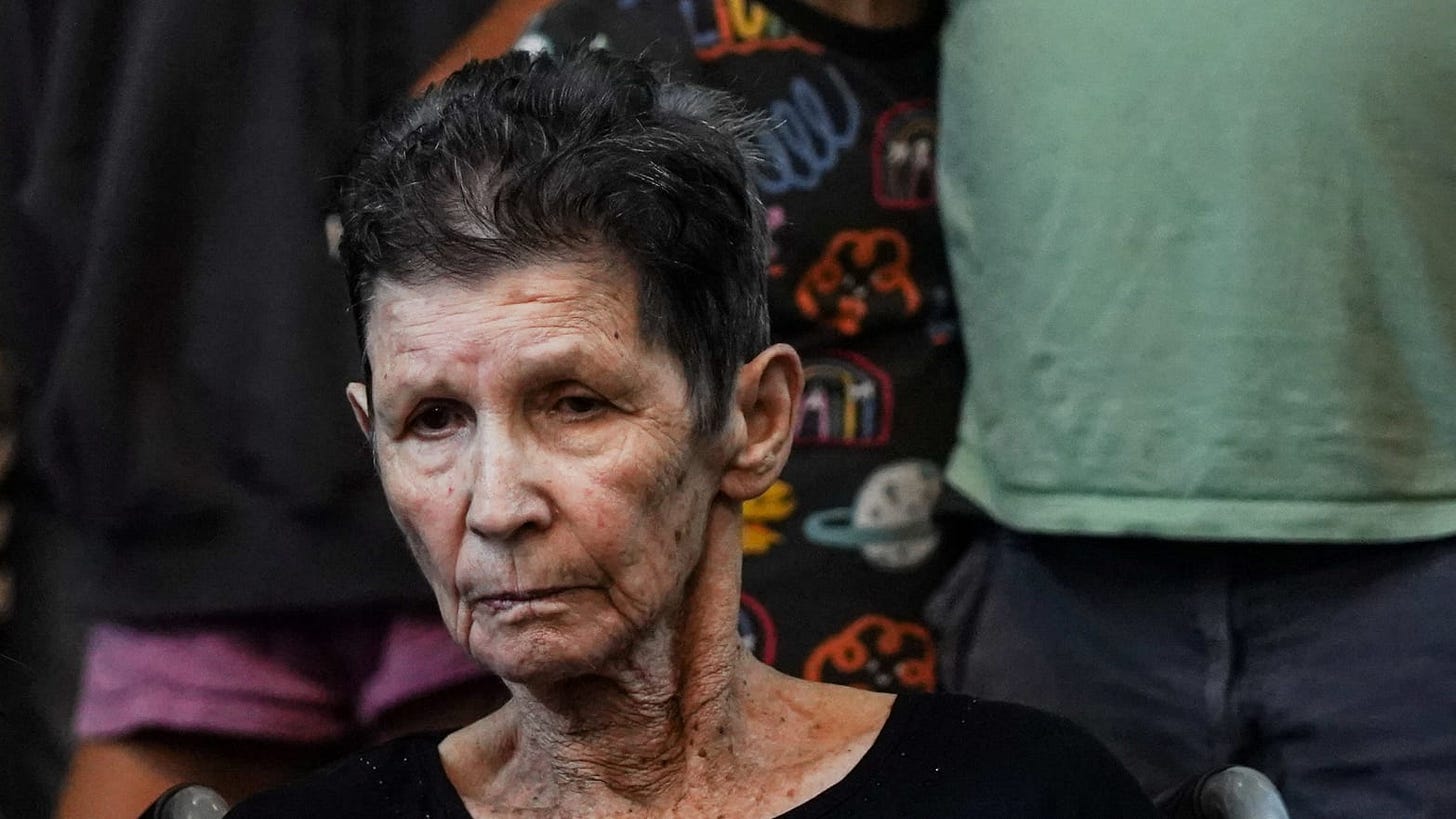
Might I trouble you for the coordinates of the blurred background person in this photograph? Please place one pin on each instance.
(1206, 261)
(37, 643)
(179, 332)
(840, 554)
(38, 637)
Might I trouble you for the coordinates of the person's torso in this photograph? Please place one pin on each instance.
(1207, 259)
(839, 554)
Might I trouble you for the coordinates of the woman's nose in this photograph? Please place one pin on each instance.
(507, 497)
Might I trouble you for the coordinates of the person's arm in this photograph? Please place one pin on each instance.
(491, 36)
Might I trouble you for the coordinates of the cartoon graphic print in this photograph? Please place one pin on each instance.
(756, 629)
(739, 27)
(861, 272)
(903, 156)
(890, 521)
(813, 127)
(775, 505)
(848, 401)
(878, 653)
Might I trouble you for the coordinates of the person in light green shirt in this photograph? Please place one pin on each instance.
(1205, 256)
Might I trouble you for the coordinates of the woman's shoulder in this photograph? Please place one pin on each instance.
(992, 734)
(950, 755)
(400, 778)
(1010, 724)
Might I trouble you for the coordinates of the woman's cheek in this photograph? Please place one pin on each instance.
(427, 502)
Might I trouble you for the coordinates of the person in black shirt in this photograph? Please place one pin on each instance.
(194, 523)
(559, 275)
(840, 554)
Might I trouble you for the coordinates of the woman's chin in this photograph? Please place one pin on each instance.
(531, 662)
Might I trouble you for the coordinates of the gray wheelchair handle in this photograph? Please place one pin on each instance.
(1241, 792)
(188, 802)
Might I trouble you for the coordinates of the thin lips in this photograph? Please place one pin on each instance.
(523, 596)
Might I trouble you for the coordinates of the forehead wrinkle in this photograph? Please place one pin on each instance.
(571, 315)
(580, 345)
(518, 288)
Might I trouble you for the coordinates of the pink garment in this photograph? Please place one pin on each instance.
(307, 678)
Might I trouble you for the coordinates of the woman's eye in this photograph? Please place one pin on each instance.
(578, 404)
(434, 419)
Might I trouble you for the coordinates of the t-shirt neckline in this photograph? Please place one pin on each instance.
(899, 724)
(858, 41)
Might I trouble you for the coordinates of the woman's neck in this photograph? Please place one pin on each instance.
(660, 724)
(643, 733)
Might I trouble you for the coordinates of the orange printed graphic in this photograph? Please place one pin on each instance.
(775, 505)
(876, 653)
(860, 272)
(744, 27)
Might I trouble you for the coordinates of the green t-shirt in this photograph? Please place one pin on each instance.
(1206, 261)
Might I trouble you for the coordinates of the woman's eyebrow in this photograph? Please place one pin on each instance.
(399, 393)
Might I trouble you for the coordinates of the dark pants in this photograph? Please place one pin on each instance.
(1331, 668)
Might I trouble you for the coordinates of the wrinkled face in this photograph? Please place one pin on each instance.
(540, 458)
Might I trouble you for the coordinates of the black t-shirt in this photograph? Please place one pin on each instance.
(181, 332)
(937, 756)
(839, 555)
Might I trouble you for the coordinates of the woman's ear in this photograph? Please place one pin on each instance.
(765, 410)
(358, 394)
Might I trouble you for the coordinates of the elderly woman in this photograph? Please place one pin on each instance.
(559, 272)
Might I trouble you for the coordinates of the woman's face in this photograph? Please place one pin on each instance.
(540, 458)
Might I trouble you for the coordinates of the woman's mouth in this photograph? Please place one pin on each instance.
(505, 601)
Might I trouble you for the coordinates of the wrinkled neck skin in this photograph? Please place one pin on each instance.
(660, 728)
(872, 13)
